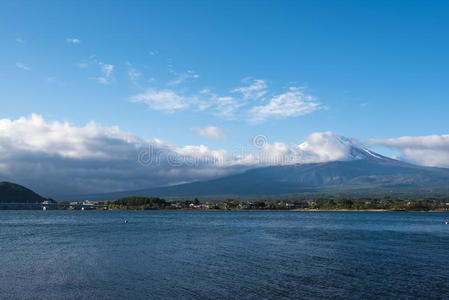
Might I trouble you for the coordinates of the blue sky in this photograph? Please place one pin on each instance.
(374, 69)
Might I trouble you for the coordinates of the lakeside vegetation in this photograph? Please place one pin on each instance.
(13, 196)
(382, 203)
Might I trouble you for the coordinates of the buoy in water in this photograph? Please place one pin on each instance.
(126, 221)
(447, 223)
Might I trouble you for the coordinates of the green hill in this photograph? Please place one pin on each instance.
(14, 193)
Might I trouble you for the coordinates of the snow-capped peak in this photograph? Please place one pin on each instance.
(329, 146)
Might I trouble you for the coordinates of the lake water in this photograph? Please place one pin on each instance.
(223, 254)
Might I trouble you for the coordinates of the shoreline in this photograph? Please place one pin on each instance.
(291, 210)
(346, 210)
(255, 210)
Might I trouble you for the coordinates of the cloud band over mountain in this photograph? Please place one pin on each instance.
(57, 158)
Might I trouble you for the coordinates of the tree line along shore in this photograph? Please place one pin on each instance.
(325, 204)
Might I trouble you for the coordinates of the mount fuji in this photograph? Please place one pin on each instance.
(323, 164)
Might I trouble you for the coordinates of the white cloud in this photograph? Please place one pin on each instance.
(20, 41)
(59, 158)
(72, 40)
(318, 147)
(163, 100)
(211, 132)
(430, 150)
(22, 66)
(290, 104)
(326, 146)
(255, 90)
(55, 138)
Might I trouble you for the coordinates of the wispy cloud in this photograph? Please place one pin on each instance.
(184, 77)
(162, 100)
(55, 80)
(106, 70)
(20, 41)
(253, 101)
(83, 65)
(170, 66)
(92, 60)
(73, 40)
(223, 106)
(133, 74)
(226, 107)
(290, 104)
(22, 66)
(256, 90)
(211, 132)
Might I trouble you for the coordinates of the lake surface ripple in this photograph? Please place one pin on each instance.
(223, 254)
